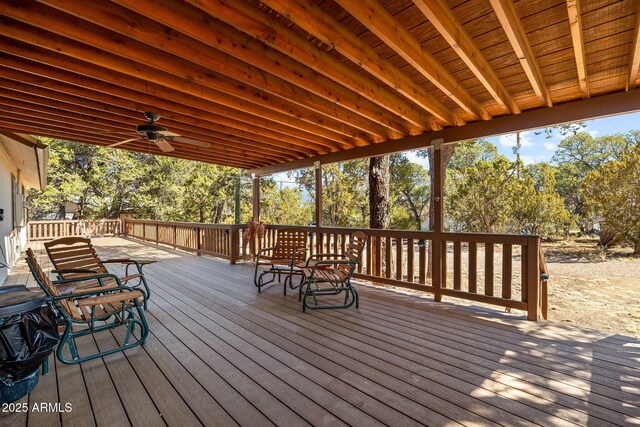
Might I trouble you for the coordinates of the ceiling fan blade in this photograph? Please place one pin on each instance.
(164, 145)
(167, 133)
(124, 142)
(192, 142)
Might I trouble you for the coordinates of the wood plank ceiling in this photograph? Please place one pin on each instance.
(279, 80)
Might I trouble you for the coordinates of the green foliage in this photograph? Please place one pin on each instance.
(410, 193)
(345, 192)
(486, 195)
(580, 154)
(612, 194)
(284, 205)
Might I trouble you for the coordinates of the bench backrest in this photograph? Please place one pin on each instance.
(289, 239)
(74, 253)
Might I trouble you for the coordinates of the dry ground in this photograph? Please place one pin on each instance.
(593, 289)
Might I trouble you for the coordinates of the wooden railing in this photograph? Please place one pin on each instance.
(46, 230)
(219, 240)
(503, 270)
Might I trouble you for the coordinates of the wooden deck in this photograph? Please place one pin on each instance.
(220, 354)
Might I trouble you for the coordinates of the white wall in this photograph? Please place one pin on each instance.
(12, 240)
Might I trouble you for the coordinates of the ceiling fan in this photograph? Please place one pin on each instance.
(160, 135)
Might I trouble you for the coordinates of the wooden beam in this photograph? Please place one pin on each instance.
(32, 103)
(318, 23)
(251, 20)
(116, 114)
(512, 26)
(143, 36)
(451, 29)
(221, 36)
(575, 22)
(634, 60)
(376, 18)
(197, 112)
(38, 115)
(139, 147)
(76, 41)
(584, 109)
(24, 141)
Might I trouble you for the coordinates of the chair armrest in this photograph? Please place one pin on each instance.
(128, 261)
(92, 293)
(319, 257)
(110, 298)
(97, 277)
(74, 271)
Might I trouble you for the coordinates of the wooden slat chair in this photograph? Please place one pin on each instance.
(86, 312)
(75, 258)
(330, 274)
(290, 249)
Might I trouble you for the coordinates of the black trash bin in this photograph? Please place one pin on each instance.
(28, 334)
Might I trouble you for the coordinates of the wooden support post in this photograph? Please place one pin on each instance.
(318, 213)
(256, 197)
(256, 208)
(238, 188)
(534, 297)
(436, 252)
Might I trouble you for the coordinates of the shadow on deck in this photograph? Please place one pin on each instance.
(220, 354)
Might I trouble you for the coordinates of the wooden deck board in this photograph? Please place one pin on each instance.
(219, 353)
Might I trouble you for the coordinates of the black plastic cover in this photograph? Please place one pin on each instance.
(27, 337)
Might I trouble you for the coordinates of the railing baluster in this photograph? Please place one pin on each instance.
(457, 265)
(399, 257)
(443, 263)
(422, 266)
(488, 269)
(506, 271)
(410, 267)
(473, 267)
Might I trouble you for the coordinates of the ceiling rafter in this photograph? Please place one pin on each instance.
(388, 29)
(575, 22)
(253, 22)
(78, 111)
(181, 48)
(634, 60)
(451, 29)
(506, 13)
(86, 92)
(107, 128)
(58, 67)
(218, 35)
(53, 30)
(318, 23)
(42, 130)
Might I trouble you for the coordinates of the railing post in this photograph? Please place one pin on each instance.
(436, 249)
(175, 237)
(198, 241)
(235, 245)
(534, 294)
(157, 236)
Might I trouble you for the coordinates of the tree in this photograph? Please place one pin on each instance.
(379, 192)
(284, 205)
(576, 156)
(536, 206)
(482, 200)
(612, 193)
(410, 193)
(345, 192)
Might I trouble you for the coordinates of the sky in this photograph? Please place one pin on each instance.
(535, 148)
